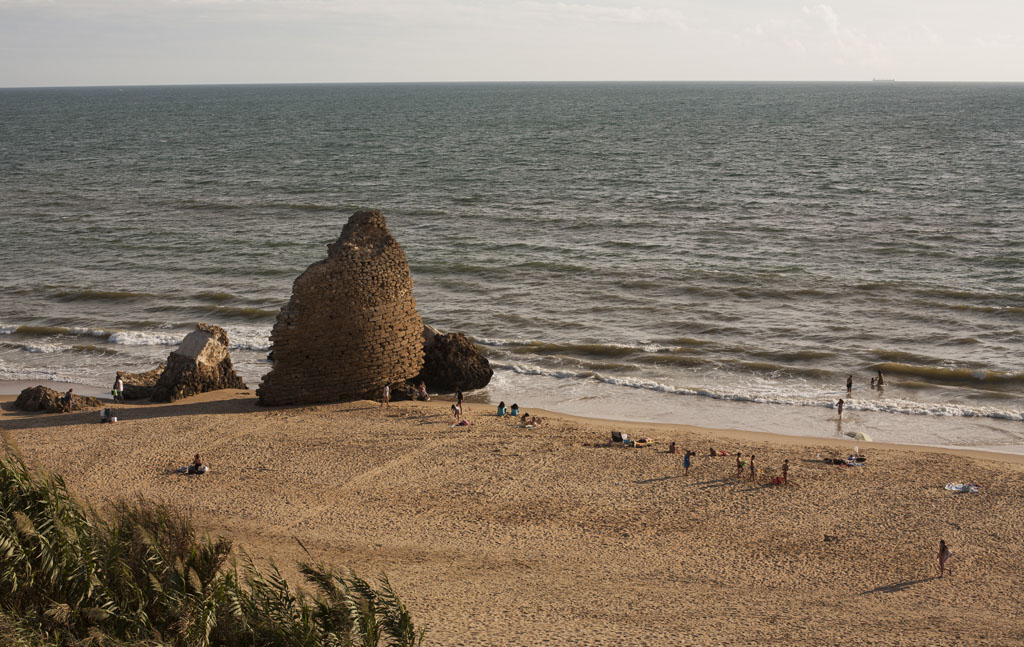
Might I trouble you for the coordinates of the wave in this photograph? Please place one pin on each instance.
(243, 338)
(956, 376)
(897, 406)
(51, 331)
(228, 312)
(85, 294)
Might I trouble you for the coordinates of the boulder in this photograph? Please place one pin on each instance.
(451, 362)
(202, 363)
(40, 398)
(139, 386)
(351, 324)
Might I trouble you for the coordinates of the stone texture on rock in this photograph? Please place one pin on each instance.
(351, 325)
(452, 362)
(139, 386)
(201, 363)
(40, 398)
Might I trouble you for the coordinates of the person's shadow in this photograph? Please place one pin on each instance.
(899, 586)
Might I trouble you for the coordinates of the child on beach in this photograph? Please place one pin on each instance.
(739, 465)
(501, 409)
(514, 410)
(686, 462)
(422, 390)
(456, 412)
(385, 398)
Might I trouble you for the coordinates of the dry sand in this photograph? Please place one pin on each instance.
(499, 535)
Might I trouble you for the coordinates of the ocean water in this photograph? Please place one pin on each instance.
(719, 254)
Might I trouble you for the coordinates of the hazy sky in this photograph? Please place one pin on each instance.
(121, 42)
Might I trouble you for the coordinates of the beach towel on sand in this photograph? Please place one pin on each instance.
(962, 487)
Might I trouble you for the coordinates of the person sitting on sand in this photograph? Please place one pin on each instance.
(713, 453)
(537, 421)
(197, 466)
(672, 447)
(525, 419)
(514, 410)
(106, 415)
(422, 391)
(501, 409)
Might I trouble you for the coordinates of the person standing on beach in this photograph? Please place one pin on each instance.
(119, 389)
(849, 384)
(785, 472)
(686, 462)
(753, 470)
(739, 465)
(944, 555)
(385, 399)
(839, 407)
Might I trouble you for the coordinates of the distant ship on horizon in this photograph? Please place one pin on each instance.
(884, 80)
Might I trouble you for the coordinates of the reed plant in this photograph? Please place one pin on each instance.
(139, 574)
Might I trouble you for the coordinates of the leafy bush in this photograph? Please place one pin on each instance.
(140, 575)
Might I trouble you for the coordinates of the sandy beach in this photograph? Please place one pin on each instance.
(496, 534)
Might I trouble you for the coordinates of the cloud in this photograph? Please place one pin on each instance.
(850, 46)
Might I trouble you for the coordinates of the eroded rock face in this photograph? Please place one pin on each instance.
(202, 363)
(452, 362)
(139, 386)
(40, 398)
(351, 325)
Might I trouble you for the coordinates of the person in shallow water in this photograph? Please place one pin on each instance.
(849, 383)
(839, 407)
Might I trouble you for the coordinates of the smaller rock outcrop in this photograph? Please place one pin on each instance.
(202, 363)
(451, 362)
(40, 398)
(139, 386)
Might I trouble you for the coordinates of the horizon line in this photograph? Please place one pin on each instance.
(887, 80)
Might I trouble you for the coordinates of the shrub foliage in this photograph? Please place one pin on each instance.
(140, 575)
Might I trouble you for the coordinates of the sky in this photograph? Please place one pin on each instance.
(157, 42)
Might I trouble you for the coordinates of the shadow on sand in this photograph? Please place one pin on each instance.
(243, 402)
(899, 586)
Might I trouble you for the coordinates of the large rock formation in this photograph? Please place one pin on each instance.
(40, 398)
(139, 386)
(200, 364)
(351, 325)
(452, 362)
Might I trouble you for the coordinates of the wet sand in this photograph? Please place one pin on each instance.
(499, 535)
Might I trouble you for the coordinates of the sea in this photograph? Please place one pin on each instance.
(719, 254)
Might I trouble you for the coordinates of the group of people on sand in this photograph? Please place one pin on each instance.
(526, 420)
(741, 464)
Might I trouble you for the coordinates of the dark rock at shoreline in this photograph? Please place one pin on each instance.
(202, 363)
(40, 398)
(139, 386)
(451, 362)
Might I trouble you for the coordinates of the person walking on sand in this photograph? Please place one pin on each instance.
(739, 465)
(686, 462)
(65, 402)
(839, 407)
(849, 384)
(944, 556)
(385, 398)
(753, 470)
(785, 472)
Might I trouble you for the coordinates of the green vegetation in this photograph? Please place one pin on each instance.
(139, 575)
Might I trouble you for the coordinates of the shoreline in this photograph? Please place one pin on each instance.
(483, 409)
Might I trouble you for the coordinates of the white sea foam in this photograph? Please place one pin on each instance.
(764, 394)
(145, 338)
